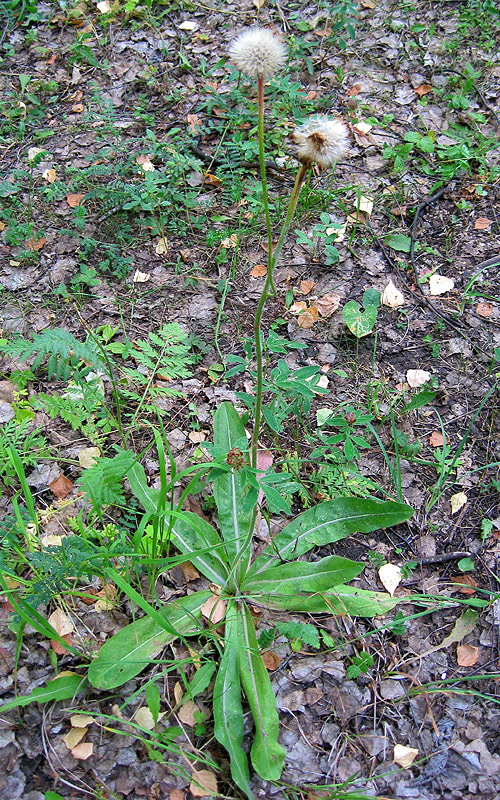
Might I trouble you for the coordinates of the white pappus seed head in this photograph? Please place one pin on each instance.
(258, 53)
(321, 141)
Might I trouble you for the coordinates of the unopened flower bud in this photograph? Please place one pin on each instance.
(258, 53)
(321, 141)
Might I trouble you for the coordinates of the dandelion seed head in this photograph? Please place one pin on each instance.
(258, 53)
(321, 141)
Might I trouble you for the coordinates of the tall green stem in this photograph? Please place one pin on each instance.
(265, 196)
(266, 292)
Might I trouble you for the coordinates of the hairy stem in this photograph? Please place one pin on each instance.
(268, 291)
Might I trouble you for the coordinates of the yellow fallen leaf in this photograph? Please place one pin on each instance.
(49, 175)
(392, 297)
(440, 284)
(162, 246)
(390, 577)
(33, 152)
(417, 377)
(81, 720)
(197, 436)
(60, 622)
(365, 204)
(74, 737)
(188, 713)
(144, 718)
(83, 751)
(87, 457)
(297, 307)
(214, 609)
(306, 286)
(258, 271)
(327, 304)
(457, 501)
(363, 127)
(142, 277)
(203, 783)
(404, 756)
(467, 655)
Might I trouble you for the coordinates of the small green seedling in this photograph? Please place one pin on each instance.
(361, 323)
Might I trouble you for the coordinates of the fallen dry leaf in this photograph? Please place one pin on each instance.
(203, 783)
(197, 436)
(436, 439)
(365, 204)
(353, 91)
(306, 286)
(211, 180)
(57, 646)
(61, 623)
(186, 713)
(49, 175)
(145, 162)
(390, 577)
(271, 660)
(214, 609)
(392, 297)
(457, 501)
(74, 737)
(104, 6)
(33, 152)
(424, 88)
(74, 200)
(188, 25)
(298, 307)
(81, 720)
(258, 271)
(35, 244)
(363, 127)
(77, 108)
(194, 122)
(231, 242)
(144, 718)
(61, 487)
(87, 457)
(440, 284)
(176, 794)
(327, 304)
(417, 377)
(484, 309)
(404, 756)
(467, 655)
(141, 277)
(307, 319)
(162, 246)
(83, 751)
(482, 224)
(467, 584)
(189, 572)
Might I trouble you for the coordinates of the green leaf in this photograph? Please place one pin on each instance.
(399, 242)
(299, 630)
(191, 533)
(267, 754)
(466, 565)
(360, 323)
(62, 688)
(326, 523)
(147, 497)
(228, 711)
(421, 399)
(201, 679)
(339, 600)
(234, 518)
(153, 700)
(130, 650)
(372, 297)
(302, 576)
